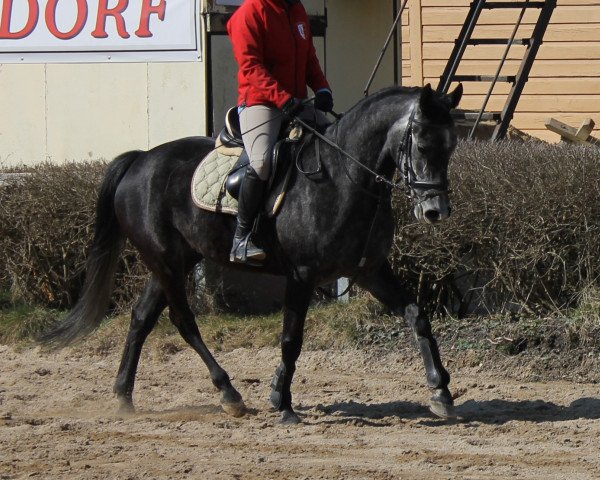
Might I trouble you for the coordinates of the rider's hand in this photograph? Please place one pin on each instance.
(292, 107)
(324, 101)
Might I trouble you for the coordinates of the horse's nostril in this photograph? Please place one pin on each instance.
(432, 215)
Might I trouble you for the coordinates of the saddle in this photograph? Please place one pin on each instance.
(231, 137)
(218, 177)
(285, 148)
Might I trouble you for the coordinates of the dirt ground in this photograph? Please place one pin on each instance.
(364, 416)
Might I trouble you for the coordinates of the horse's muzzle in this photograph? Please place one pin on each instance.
(433, 209)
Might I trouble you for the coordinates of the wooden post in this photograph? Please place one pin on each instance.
(572, 134)
(416, 42)
(342, 284)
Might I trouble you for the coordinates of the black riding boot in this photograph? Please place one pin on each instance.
(249, 203)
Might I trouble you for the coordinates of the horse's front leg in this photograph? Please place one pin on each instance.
(387, 288)
(297, 299)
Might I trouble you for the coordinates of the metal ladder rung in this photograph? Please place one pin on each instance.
(472, 116)
(493, 5)
(483, 78)
(498, 41)
(518, 80)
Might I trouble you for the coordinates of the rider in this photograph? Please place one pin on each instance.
(273, 47)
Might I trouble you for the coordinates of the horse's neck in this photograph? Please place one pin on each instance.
(363, 142)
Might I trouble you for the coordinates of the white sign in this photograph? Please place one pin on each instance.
(46, 31)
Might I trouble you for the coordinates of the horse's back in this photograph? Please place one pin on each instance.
(160, 180)
(169, 158)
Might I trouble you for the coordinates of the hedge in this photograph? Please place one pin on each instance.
(523, 233)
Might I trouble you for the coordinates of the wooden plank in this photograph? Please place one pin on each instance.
(585, 129)
(564, 130)
(416, 42)
(537, 103)
(537, 86)
(536, 120)
(548, 51)
(541, 68)
(457, 15)
(544, 135)
(572, 32)
(466, 3)
(572, 134)
(405, 52)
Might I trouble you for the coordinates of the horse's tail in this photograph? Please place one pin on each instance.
(101, 264)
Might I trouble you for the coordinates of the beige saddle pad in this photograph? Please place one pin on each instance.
(208, 182)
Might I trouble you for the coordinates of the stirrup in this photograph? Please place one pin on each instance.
(246, 252)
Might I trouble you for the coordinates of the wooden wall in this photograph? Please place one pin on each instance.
(565, 78)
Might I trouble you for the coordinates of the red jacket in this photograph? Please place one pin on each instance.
(273, 46)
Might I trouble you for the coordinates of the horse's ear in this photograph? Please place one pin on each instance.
(453, 98)
(426, 96)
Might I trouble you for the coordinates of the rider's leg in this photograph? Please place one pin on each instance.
(260, 127)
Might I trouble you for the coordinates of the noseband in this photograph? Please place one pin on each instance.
(412, 185)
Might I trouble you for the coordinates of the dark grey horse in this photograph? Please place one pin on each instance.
(334, 223)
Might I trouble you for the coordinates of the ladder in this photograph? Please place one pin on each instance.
(518, 81)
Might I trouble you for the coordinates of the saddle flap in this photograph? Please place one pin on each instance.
(236, 175)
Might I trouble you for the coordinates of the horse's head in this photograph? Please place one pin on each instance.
(426, 143)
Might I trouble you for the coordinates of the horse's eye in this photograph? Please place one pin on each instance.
(422, 149)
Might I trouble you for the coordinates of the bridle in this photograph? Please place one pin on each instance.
(419, 191)
(413, 187)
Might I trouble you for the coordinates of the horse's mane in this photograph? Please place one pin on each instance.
(382, 94)
(436, 113)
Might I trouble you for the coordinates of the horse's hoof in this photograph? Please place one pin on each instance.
(442, 404)
(289, 417)
(125, 406)
(442, 410)
(235, 409)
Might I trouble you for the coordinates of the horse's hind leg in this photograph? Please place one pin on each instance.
(183, 318)
(387, 288)
(297, 299)
(143, 319)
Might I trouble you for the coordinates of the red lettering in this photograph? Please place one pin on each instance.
(116, 12)
(147, 10)
(34, 12)
(82, 12)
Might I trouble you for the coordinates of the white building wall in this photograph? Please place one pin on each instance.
(73, 112)
(70, 112)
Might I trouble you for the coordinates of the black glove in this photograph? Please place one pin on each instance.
(324, 101)
(292, 107)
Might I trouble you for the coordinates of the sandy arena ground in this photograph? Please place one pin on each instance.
(365, 417)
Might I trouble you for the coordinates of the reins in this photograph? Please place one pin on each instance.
(409, 185)
(378, 178)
